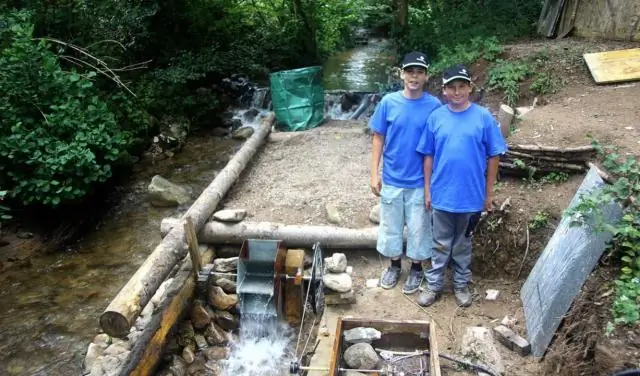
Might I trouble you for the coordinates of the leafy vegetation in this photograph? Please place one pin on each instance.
(625, 244)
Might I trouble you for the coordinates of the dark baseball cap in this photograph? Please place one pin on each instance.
(415, 59)
(456, 72)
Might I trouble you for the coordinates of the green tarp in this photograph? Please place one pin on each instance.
(298, 98)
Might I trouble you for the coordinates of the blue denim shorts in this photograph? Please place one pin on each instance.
(400, 207)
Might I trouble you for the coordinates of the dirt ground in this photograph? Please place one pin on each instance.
(296, 175)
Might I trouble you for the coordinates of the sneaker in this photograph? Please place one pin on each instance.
(390, 277)
(463, 297)
(413, 282)
(428, 297)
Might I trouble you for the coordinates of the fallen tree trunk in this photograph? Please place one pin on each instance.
(293, 235)
(147, 350)
(120, 315)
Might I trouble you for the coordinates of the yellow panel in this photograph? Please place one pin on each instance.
(614, 66)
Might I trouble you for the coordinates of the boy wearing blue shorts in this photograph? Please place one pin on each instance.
(461, 145)
(397, 125)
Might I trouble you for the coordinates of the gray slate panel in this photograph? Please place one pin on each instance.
(562, 269)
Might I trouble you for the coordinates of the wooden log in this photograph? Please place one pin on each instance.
(553, 149)
(545, 157)
(120, 315)
(147, 349)
(293, 235)
(546, 166)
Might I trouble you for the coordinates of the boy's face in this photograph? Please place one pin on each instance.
(457, 91)
(414, 78)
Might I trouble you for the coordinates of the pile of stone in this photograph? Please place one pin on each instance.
(359, 353)
(338, 281)
(202, 340)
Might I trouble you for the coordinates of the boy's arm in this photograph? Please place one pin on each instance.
(496, 146)
(376, 153)
(428, 167)
(426, 147)
(378, 125)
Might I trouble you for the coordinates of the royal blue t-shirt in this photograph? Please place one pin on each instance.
(402, 121)
(460, 144)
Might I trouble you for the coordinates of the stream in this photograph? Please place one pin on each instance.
(50, 306)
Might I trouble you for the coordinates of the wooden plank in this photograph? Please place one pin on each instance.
(614, 66)
(434, 368)
(192, 244)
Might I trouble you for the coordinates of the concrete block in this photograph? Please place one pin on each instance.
(511, 340)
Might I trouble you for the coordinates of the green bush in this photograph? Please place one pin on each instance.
(57, 136)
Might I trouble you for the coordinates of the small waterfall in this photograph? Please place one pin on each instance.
(264, 347)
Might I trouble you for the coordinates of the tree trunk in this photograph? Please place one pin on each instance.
(293, 235)
(127, 305)
(147, 350)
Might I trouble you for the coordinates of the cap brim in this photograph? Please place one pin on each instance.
(446, 81)
(425, 66)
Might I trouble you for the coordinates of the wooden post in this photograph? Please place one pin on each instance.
(121, 313)
(192, 244)
(505, 118)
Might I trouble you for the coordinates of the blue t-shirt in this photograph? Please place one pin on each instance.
(460, 144)
(402, 120)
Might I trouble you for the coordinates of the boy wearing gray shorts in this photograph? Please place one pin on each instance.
(397, 125)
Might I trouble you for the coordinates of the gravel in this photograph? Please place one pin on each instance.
(295, 175)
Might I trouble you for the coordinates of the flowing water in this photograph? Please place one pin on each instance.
(50, 306)
(359, 69)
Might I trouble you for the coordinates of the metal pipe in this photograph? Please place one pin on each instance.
(222, 274)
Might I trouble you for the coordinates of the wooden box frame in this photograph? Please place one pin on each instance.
(387, 327)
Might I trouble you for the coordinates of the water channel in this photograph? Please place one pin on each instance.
(50, 306)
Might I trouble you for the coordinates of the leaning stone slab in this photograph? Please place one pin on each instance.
(562, 269)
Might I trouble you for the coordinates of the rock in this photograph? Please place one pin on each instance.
(201, 342)
(372, 283)
(226, 285)
(178, 366)
(340, 298)
(215, 335)
(509, 321)
(230, 215)
(337, 263)
(226, 320)
(103, 340)
(349, 270)
(361, 356)
(243, 133)
(186, 333)
(225, 265)
(25, 235)
(228, 251)
(220, 132)
(200, 316)
(93, 352)
(109, 363)
(477, 344)
(216, 353)
(340, 282)
(361, 335)
(374, 214)
(164, 193)
(511, 340)
(250, 115)
(492, 294)
(187, 355)
(354, 373)
(333, 215)
(220, 299)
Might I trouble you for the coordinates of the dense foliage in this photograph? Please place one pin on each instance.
(85, 84)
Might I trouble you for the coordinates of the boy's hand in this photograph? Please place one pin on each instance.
(376, 185)
(427, 199)
(488, 204)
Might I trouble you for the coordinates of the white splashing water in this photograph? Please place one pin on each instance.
(265, 347)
